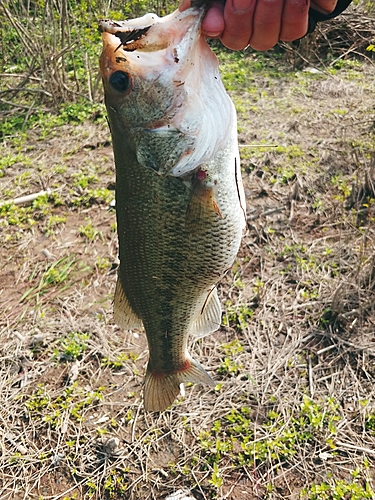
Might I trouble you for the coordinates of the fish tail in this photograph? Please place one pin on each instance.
(161, 389)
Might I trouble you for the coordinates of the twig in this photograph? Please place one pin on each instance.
(13, 440)
(22, 200)
(258, 145)
(21, 106)
(135, 423)
(266, 213)
(311, 384)
(356, 448)
(20, 75)
(20, 89)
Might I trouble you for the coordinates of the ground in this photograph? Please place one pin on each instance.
(293, 412)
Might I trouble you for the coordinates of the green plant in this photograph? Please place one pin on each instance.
(229, 365)
(72, 346)
(103, 264)
(53, 274)
(120, 360)
(54, 408)
(92, 196)
(237, 316)
(89, 232)
(53, 221)
(279, 437)
(116, 483)
(216, 478)
(338, 490)
(83, 178)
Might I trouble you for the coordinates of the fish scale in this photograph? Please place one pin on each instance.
(179, 196)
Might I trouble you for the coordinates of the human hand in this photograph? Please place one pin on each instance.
(259, 23)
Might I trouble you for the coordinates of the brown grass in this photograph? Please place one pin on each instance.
(299, 318)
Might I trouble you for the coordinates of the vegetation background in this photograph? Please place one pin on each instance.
(293, 412)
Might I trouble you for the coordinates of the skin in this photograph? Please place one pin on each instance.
(259, 23)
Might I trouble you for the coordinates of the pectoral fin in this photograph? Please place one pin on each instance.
(202, 207)
(124, 315)
(209, 318)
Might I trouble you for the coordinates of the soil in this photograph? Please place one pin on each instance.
(299, 300)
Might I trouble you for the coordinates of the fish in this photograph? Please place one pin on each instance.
(180, 203)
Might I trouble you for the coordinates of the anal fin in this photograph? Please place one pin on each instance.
(161, 389)
(124, 315)
(208, 319)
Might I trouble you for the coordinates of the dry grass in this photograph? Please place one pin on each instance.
(294, 404)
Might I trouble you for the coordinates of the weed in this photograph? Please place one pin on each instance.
(46, 123)
(338, 490)
(101, 432)
(8, 160)
(54, 409)
(12, 215)
(120, 360)
(83, 179)
(238, 316)
(116, 482)
(370, 423)
(342, 185)
(72, 346)
(54, 274)
(92, 196)
(103, 264)
(232, 348)
(229, 365)
(53, 222)
(59, 169)
(278, 438)
(89, 232)
(41, 204)
(216, 479)
(91, 487)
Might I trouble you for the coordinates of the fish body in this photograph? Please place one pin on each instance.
(179, 197)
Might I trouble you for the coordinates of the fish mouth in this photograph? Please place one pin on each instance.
(149, 41)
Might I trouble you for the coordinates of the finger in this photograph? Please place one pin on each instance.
(324, 6)
(266, 24)
(295, 20)
(213, 24)
(238, 16)
(184, 4)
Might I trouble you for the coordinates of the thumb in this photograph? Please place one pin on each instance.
(184, 4)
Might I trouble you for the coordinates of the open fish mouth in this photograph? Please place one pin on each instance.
(128, 37)
(176, 33)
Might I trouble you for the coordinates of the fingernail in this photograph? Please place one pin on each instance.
(184, 4)
(241, 5)
(212, 34)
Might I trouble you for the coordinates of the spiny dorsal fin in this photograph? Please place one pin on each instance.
(208, 319)
(124, 315)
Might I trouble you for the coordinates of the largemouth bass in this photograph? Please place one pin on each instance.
(179, 196)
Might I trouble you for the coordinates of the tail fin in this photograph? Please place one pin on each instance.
(161, 389)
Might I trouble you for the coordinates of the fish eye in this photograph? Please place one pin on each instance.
(120, 81)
